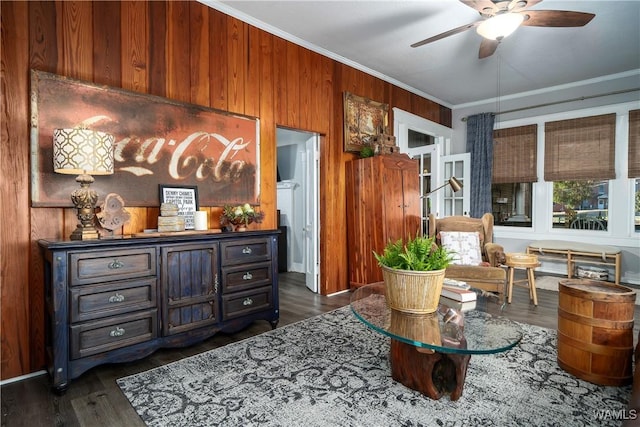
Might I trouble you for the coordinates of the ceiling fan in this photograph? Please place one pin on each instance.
(501, 18)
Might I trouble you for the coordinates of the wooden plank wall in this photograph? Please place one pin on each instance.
(181, 50)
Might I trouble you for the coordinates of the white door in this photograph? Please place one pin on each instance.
(312, 214)
(458, 203)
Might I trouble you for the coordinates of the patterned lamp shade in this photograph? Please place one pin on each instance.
(82, 151)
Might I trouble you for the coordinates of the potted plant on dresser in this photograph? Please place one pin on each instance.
(413, 273)
(239, 217)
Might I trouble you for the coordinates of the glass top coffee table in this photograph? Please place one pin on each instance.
(430, 352)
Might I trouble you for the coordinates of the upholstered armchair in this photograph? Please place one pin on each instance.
(483, 273)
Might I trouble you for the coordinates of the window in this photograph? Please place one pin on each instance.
(579, 160)
(514, 172)
(634, 144)
(418, 139)
(512, 204)
(581, 205)
(634, 163)
(636, 206)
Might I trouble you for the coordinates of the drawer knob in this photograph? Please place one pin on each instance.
(115, 264)
(116, 298)
(247, 301)
(247, 276)
(117, 332)
(247, 250)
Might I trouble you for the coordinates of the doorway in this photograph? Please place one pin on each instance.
(298, 201)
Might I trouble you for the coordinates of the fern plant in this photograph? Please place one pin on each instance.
(417, 254)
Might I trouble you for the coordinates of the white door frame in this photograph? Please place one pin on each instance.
(304, 224)
(402, 122)
(312, 214)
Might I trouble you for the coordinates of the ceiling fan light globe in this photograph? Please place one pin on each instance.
(500, 26)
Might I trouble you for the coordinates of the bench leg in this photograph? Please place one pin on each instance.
(569, 265)
(510, 285)
(532, 286)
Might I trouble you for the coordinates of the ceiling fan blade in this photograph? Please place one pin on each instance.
(520, 5)
(556, 18)
(487, 47)
(447, 34)
(482, 6)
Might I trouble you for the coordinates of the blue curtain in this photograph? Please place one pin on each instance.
(480, 145)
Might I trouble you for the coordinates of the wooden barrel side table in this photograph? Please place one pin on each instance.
(595, 331)
(528, 262)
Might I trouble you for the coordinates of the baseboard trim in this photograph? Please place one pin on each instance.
(22, 377)
(338, 293)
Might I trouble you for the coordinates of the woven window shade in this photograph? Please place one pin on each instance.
(580, 149)
(515, 155)
(634, 144)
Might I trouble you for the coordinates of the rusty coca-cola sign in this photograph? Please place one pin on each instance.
(157, 141)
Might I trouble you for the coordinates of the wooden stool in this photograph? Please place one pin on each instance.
(528, 261)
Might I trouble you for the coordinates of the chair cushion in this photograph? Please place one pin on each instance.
(462, 224)
(465, 246)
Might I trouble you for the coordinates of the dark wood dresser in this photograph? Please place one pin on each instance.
(121, 299)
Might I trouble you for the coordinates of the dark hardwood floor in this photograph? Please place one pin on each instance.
(94, 399)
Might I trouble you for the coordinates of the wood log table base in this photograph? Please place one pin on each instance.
(428, 372)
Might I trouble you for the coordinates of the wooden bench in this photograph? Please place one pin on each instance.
(572, 252)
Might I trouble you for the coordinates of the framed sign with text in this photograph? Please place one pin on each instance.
(157, 140)
(185, 198)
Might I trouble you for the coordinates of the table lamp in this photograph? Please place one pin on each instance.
(83, 152)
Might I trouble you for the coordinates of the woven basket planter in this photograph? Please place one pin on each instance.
(416, 292)
(424, 328)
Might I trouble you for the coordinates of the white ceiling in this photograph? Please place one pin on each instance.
(375, 36)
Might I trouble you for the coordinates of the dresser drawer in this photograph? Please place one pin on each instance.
(243, 303)
(243, 277)
(113, 333)
(97, 301)
(100, 266)
(245, 251)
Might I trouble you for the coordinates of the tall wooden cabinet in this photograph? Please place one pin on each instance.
(383, 204)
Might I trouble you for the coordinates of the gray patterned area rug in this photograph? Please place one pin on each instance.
(331, 370)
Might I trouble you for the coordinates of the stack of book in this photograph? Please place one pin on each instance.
(169, 219)
(458, 295)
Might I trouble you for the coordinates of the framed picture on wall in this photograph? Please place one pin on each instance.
(363, 120)
(185, 197)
